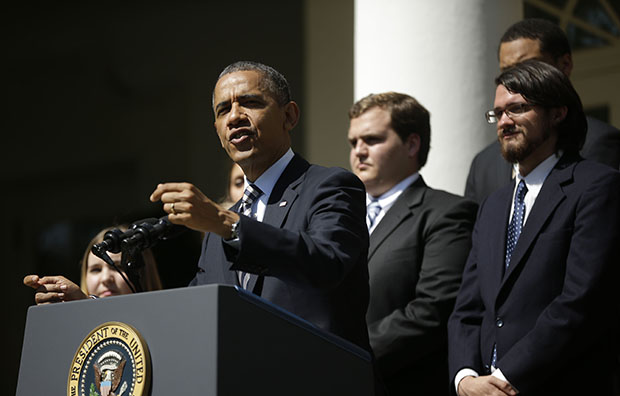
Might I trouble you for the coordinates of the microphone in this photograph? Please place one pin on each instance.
(111, 242)
(141, 235)
(113, 238)
(146, 233)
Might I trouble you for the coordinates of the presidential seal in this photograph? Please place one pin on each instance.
(113, 360)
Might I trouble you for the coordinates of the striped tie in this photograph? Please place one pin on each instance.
(250, 195)
(372, 212)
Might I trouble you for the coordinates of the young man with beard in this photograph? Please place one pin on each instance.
(543, 40)
(536, 312)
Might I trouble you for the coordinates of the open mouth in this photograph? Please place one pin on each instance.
(240, 135)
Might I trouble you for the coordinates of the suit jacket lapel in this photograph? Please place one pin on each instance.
(548, 199)
(282, 197)
(285, 191)
(497, 233)
(411, 197)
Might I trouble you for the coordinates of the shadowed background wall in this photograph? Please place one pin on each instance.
(104, 102)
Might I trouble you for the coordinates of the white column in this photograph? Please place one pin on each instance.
(443, 53)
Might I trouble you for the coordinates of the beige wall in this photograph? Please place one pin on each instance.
(328, 80)
(596, 77)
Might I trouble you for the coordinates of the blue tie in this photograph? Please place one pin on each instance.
(250, 195)
(516, 223)
(514, 231)
(372, 212)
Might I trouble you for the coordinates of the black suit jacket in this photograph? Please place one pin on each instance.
(489, 171)
(308, 255)
(552, 313)
(416, 257)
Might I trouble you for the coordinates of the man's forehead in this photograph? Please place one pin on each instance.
(370, 121)
(519, 50)
(504, 96)
(247, 80)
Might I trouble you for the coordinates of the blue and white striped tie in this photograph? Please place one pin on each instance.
(250, 195)
(372, 212)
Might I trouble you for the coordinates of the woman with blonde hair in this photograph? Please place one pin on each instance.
(97, 278)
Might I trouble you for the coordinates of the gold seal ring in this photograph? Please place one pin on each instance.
(172, 208)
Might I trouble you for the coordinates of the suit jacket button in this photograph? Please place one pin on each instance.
(499, 322)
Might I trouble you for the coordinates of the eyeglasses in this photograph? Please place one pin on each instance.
(512, 110)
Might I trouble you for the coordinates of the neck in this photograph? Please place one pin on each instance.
(537, 156)
(254, 169)
(377, 191)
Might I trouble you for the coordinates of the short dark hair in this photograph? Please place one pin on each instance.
(544, 85)
(273, 81)
(553, 40)
(407, 116)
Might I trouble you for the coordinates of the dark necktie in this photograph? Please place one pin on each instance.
(516, 223)
(250, 195)
(514, 231)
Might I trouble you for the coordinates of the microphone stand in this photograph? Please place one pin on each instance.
(141, 235)
(103, 255)
(131, 254)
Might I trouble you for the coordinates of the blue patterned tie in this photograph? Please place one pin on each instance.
(250, 195)
(372, 212)
(516, 223)
(514, 231)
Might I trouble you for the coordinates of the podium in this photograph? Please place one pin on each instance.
(203, 340)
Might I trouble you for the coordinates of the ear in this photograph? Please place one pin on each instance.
(565, 64)
(558, 114)
(291, 115)
(413, 145)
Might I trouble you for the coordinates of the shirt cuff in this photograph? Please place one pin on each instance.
(465, 372)
(233, 243)
(497, 373)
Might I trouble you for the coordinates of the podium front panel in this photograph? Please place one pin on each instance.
(203, 340)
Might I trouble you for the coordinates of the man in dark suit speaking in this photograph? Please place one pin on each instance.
(298, 237)
(537, 309)
(419, 240)
(545, 41)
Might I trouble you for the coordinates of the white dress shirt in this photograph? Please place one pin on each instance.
(387, 199)
(534, 182)
(266, 182)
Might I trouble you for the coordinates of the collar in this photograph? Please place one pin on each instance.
(387, 199)
(534, 182)
(535, 179)
(267, 181)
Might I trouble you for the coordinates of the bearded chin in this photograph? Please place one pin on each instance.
(516, 152)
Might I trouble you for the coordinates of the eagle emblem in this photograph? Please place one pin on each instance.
(109, 372)
(112, 360)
